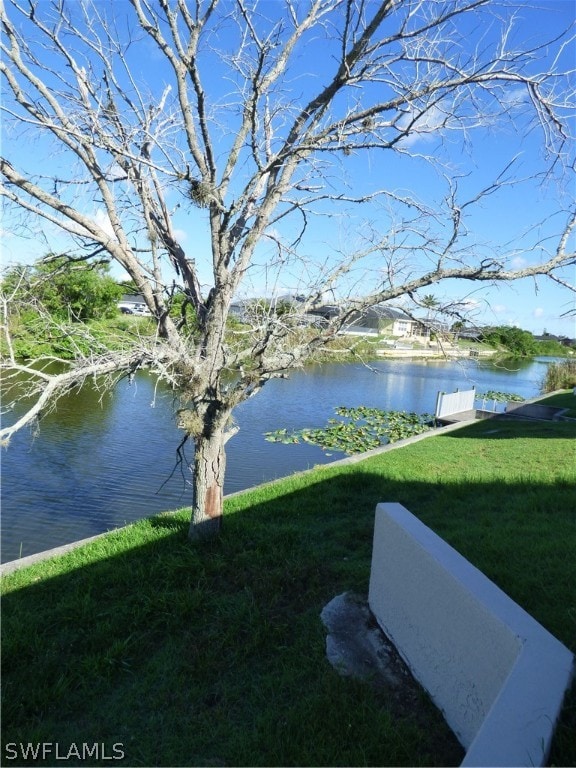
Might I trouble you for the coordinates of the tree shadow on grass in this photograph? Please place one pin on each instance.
(214, 653)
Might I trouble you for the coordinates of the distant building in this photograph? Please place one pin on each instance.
(375, 321)
(470, 334)
(565, 340)
(239, 311)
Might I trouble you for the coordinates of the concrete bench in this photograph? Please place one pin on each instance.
(496, 674)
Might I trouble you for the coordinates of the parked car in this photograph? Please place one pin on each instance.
(134, 309)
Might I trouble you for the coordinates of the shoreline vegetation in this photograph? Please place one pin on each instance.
(33, 337)
(214, 654)
(66, 314)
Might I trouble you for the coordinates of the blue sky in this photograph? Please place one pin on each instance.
(511, 220)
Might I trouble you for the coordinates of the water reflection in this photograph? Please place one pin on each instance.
(100, 461)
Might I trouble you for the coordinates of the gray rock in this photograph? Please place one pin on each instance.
(356, 646)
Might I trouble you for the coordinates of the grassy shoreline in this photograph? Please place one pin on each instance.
(34, 339)
(214, 654)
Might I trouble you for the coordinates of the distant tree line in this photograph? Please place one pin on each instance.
(67, 293)
(520, 343)
(47, 307)
(51, 291)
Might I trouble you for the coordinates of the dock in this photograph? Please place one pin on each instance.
(470, 415)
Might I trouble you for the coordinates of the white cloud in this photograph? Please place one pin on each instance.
(120, 274)
(514, 97)
(499, 309)
(538, 312)
(518, 262)
(104, 222)
(423, 126)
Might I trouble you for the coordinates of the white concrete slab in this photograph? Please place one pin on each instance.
(498, 676)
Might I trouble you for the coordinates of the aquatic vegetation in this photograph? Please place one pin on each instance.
(501, 397)
(358, 430)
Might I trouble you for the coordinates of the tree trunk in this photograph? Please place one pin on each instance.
(208, 479)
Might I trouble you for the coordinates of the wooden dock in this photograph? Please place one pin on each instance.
(472, 415)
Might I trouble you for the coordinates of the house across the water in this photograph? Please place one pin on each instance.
(376, 321)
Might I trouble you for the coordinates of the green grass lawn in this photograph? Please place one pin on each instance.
(214, 654)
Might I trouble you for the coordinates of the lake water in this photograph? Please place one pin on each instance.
(99, 463)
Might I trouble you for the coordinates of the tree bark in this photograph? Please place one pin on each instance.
(208, 479)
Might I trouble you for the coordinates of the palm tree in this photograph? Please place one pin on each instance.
(429, 302)
(456, 328)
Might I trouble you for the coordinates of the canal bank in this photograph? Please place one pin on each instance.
(101, 461)
(435, 353)
(463, 420)
(38, 557)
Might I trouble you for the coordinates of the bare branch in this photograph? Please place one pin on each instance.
(326, 148)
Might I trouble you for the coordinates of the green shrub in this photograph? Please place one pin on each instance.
(560, 376)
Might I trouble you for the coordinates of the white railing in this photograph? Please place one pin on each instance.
(454, 402)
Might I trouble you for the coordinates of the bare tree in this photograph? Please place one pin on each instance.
(247, 116)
